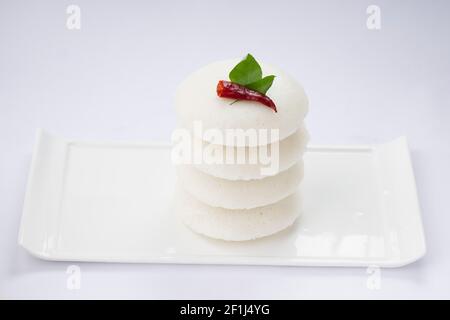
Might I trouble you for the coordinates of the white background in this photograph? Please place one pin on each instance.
(115, 79)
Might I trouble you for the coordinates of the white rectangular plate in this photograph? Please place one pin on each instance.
(112, 202)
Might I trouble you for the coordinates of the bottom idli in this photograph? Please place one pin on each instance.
(236, 225)
(230, 194)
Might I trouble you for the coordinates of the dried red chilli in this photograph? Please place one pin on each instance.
(228, 89)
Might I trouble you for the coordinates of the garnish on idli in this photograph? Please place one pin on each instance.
(247, 83)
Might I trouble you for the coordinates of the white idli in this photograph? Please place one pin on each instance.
(197, 100)
(237, 225)
(290, 151)
(249, 194)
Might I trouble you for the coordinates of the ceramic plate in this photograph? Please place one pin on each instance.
(112, 202)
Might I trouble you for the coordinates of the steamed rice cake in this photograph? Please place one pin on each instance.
(196, 100)
(290, 151)
(240, 194)
(236, 225)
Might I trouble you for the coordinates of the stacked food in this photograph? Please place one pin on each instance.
(247, 138)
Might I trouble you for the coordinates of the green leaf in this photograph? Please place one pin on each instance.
(247, 71)
(262, 85)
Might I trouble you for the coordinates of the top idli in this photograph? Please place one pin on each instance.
(197, 100)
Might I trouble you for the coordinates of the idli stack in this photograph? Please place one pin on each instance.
(255, 195)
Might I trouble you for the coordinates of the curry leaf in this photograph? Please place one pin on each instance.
(262, 85)
(247, 71)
